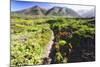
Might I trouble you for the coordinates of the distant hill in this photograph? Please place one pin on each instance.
(36, 10)
(55, 11)
(62, 11)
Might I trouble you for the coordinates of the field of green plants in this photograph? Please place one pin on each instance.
(74, 40)
(28, 40)
(30, 37)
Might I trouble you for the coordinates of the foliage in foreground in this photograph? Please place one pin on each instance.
(71, 35)
(29, 39)
(31, 36)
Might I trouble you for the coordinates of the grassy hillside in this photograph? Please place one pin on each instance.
(29, 38)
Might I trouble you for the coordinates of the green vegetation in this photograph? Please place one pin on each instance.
(29, 37)
(69, 34)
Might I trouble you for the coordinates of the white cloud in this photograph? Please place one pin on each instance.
(75, 7)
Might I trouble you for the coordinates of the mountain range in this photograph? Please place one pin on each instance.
(54, 11)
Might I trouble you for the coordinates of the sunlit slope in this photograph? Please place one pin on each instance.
(28, 40)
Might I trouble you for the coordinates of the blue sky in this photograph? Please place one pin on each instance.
(19, 5)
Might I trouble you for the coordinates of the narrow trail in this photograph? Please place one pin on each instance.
(49, 46)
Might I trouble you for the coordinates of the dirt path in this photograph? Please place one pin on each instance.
(49, 46)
